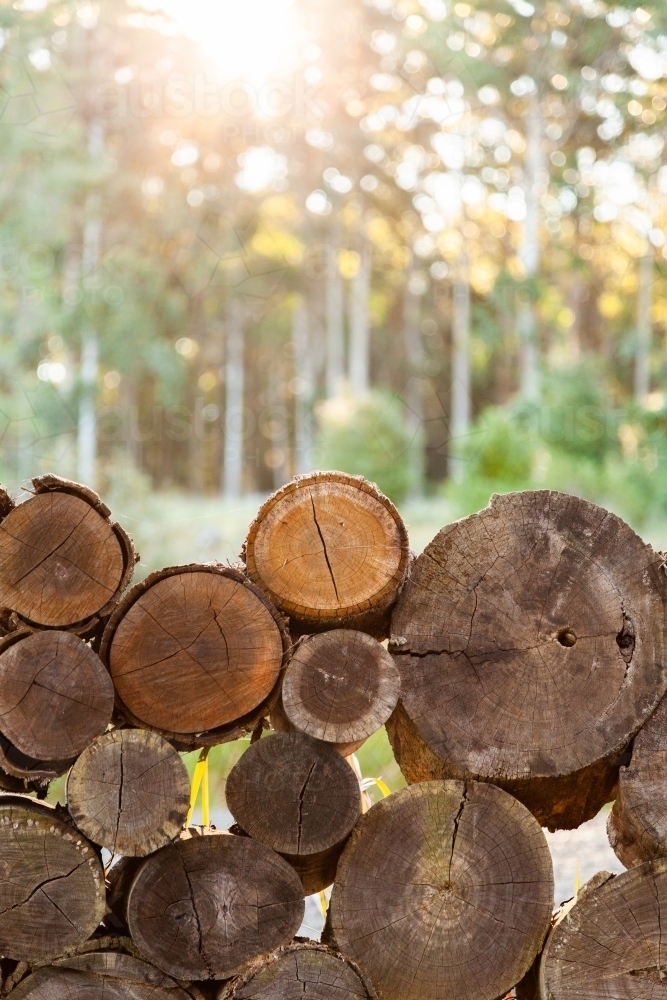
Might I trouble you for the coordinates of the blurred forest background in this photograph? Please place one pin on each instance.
(421, 240)
(414, 239)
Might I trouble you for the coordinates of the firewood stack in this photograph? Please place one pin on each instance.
(524, 672)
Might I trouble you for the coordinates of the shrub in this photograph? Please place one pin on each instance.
(366, 436)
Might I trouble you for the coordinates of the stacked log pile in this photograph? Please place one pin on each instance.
(519, 665)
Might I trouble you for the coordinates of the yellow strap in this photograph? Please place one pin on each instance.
(323, 902)
(384, 788)
(200, 780)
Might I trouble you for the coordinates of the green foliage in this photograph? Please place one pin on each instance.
(366, 436)
(501, 447)
(575, 415)
(575, 442)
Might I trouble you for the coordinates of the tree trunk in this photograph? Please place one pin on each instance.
(129, 791)
(359, 360)
(55, 695)
(340, 687)
(279, 430)
(88, 371)
(414, 400)
(644, 303)
(444, 889)
(86, 441)
(299, 797)
(330, 551)
(205, 907)
(460, 406)
(303, 398)
(307, 971)
(52, 888)
(610, 942)
(195, 653)
(637, 825)
(529, 252)
(234, 411)
(530, 639)
(63, 563)
(108, 975)
(335, 329)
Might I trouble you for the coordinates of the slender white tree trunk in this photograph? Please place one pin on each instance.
(459, 423)
(529, 252)
(360, 325)
(87, 422)
(414, 351)
(232, 479)
(92, 236)
(303, 398)
(335, 331)
(644, 304)
(87, 419)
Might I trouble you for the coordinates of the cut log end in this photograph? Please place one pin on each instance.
(330, 550)
(129, 792)
(195, 652)
(281, 724)
(99, 976)
(521, 654)
(340, 686)
(294, 794)
(55, 694)
(61, 559)
(637, 824)
(225, 901)
(444, 889)
(610, 943)
(52, 893)
(306, 971)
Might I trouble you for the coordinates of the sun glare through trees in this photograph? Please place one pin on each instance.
(420, 240)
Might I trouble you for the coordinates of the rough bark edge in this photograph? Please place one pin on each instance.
(59, 816)
(228, 989)
(561, 802)
(528, 988)
(36, 772)
(122, 944)
(91, 627)
(232, 730)
(373, 616)
(631, 843)
(7, 502)
(593, 884)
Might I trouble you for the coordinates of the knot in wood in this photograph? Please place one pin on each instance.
(525, 663)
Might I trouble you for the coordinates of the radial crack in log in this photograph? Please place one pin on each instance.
(205, 907)
(329, 550)
(306, 971)
(129, 791)
(99, 976)
(298, 796)
(55, 694)
(444, 890)
(63, 563)
(530, 639)
(51, 882)
(195, 653)
(608, 944)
